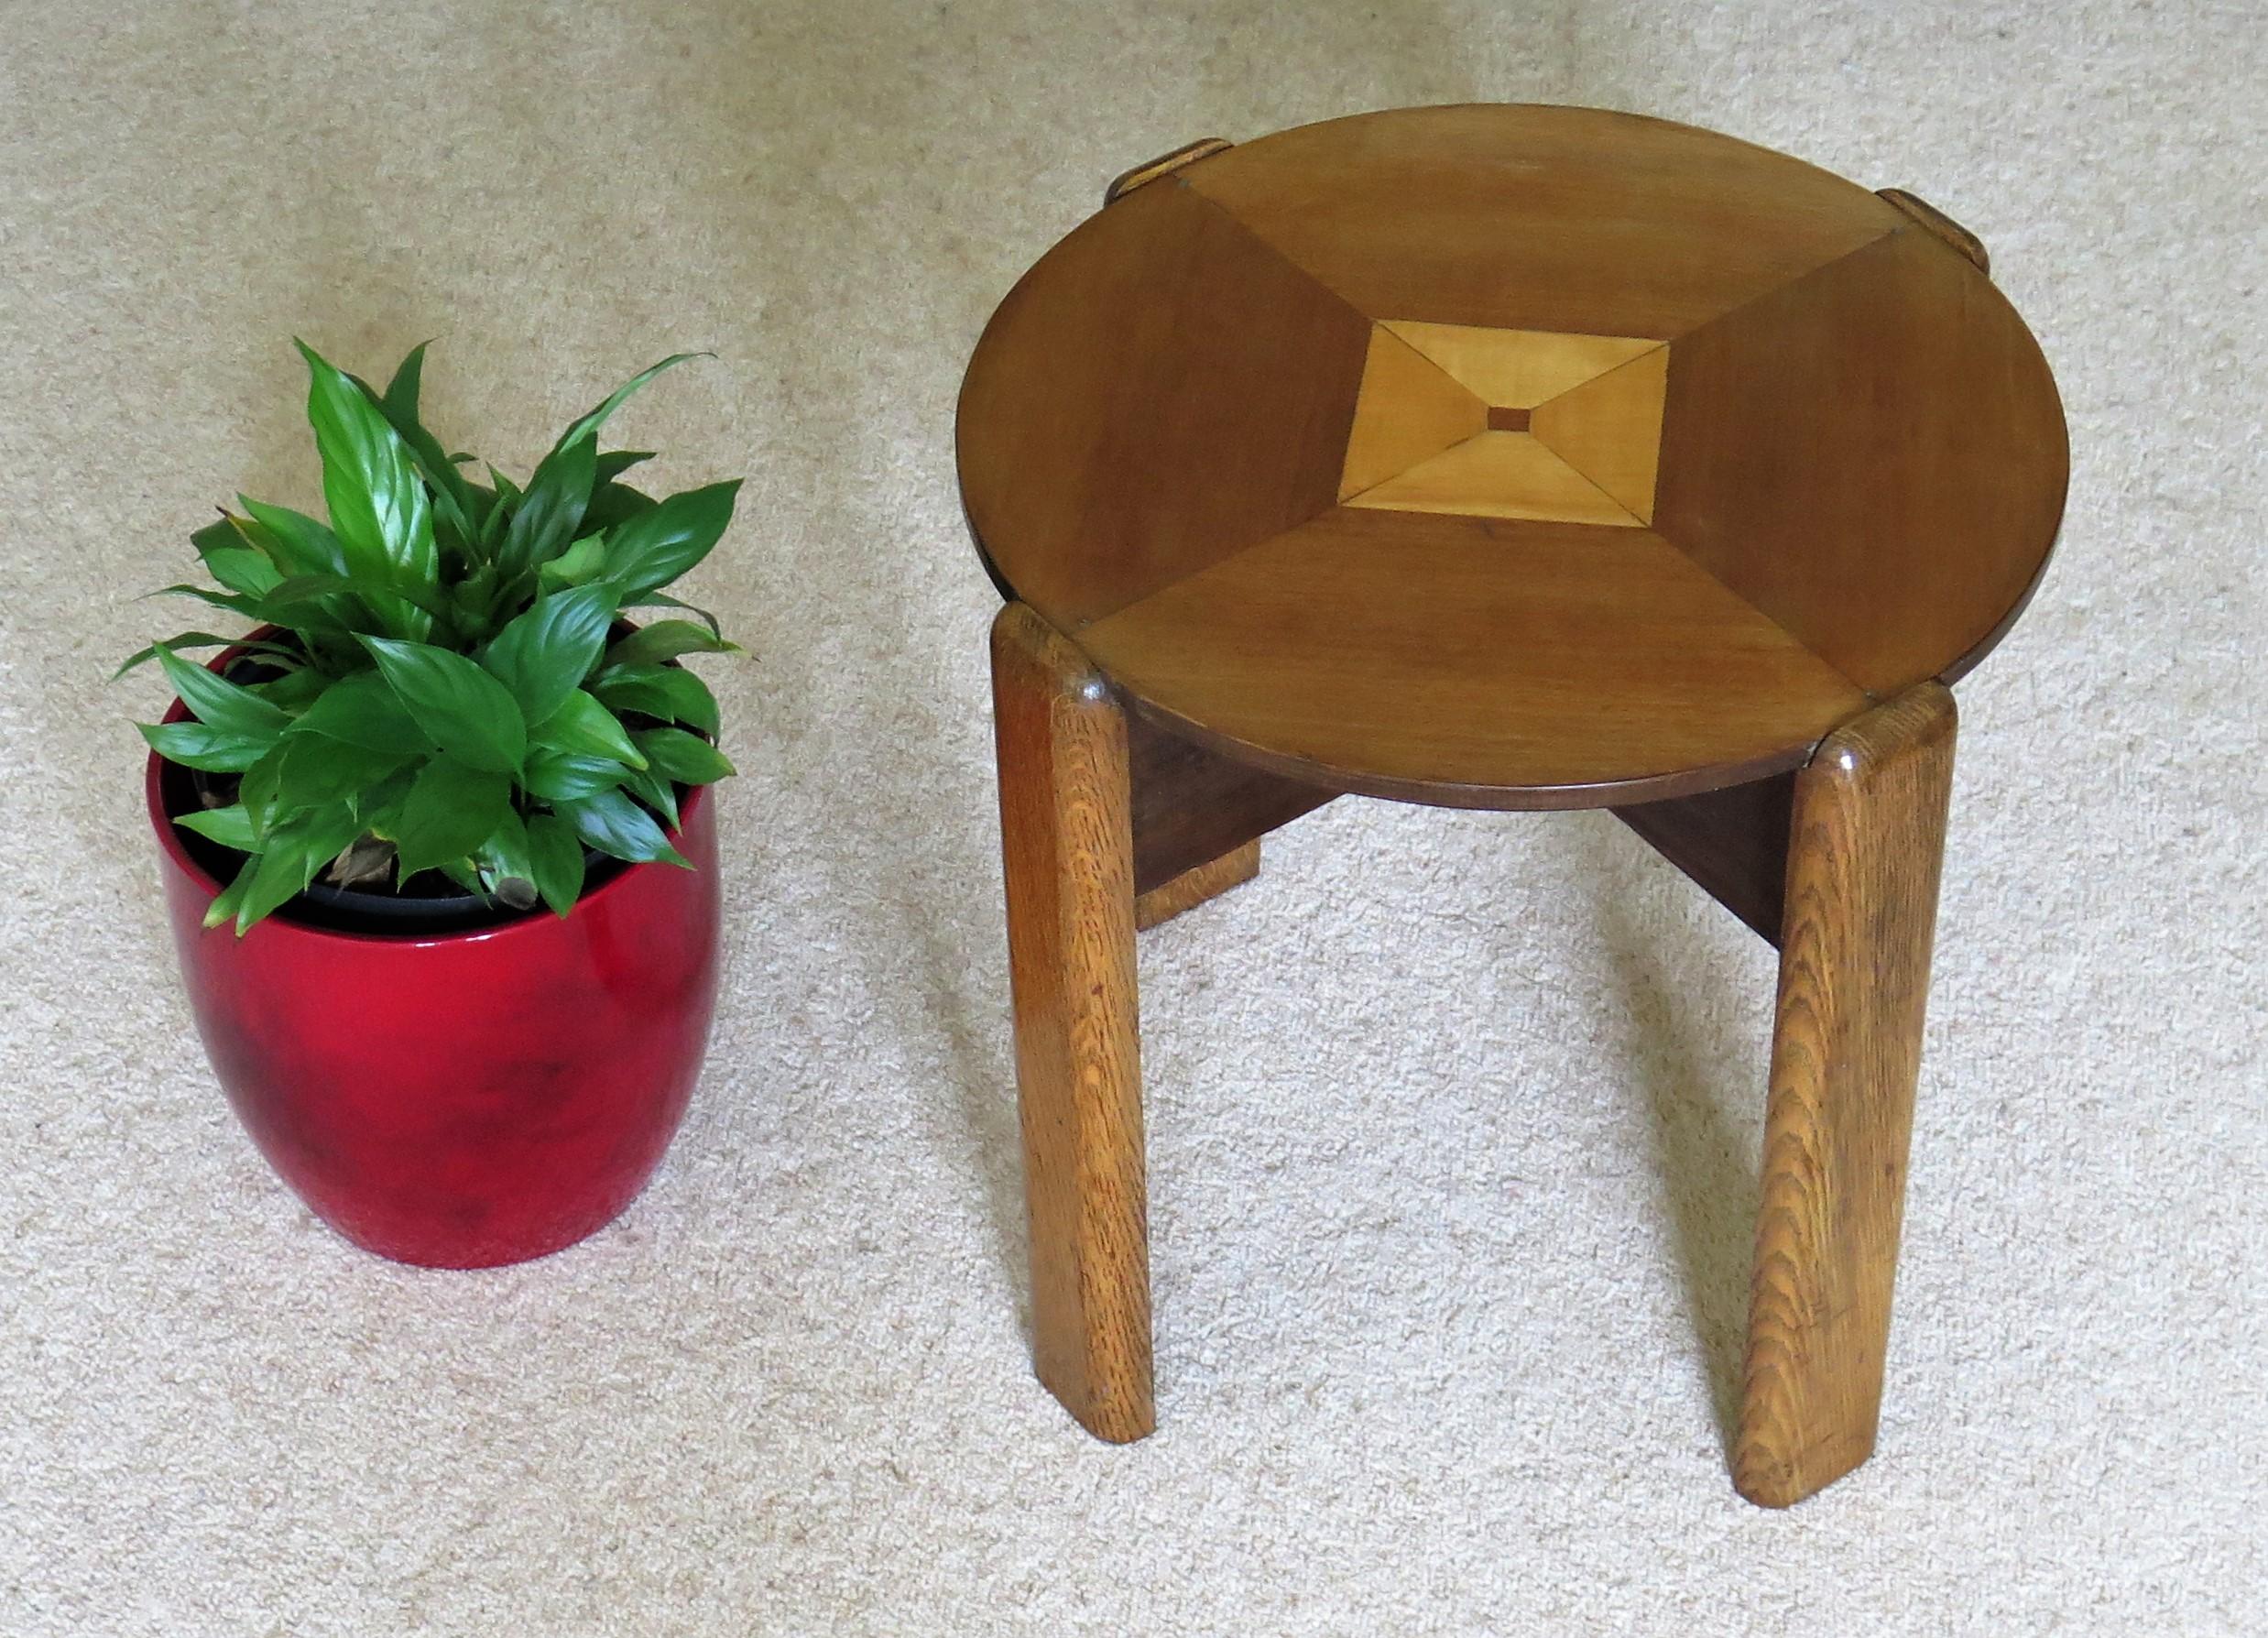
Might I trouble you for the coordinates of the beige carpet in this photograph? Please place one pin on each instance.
(1454, 1116)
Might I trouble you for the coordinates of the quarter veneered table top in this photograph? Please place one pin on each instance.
(1513, 456)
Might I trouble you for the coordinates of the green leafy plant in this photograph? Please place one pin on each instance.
(446, 683)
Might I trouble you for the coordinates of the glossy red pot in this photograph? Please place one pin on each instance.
(466, 1099)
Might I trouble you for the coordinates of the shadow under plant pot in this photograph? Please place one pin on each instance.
(467, 1099)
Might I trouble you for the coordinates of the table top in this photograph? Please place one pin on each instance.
(1513, 456)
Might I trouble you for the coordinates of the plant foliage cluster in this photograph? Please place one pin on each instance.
(449, 683)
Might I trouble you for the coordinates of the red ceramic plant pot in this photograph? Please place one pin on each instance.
(466, 1099)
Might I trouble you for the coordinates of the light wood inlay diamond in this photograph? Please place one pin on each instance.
(1409, 409)
(1609, 428)
(1517, 368)
(1498, 474)
(1507, 423)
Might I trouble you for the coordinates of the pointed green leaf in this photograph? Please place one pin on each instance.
(315, 588)
(666, 639)
(363, 710)
(555, 854)
(318, 770)
(256, 791)
(472, 600)
(298, 618)
(318, 578)
(378, 505)
(458, 705)
(543, 653)
(654, 547)
(195, 744)
(220, 704)
(251, 608)
(295, 691)
(451, 810)
(508, 491)
(589, 424)
(665, 693)
(241, 569)
(180, 640)
(380, 806)
(613, 505)
(686, 758)
(578, 563)
(229, 560)
(568, 776)
(551, 512)
(461, 871)
(296, 542)
(499, 515)
(656, 792)
(586, 727)
(230, 827)
(401, 392)
(281, 872)
(293, 851)
(613, 463)
(614, 825)
(452, 496)
(226, 901)
(331, 829)
(663, 600)
(506, 870)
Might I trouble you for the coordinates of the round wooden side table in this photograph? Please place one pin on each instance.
(1502, 457)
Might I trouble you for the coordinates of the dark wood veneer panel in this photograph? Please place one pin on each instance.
(1159, 391)
(1193, 806)
(1473, 662)
(1733, 843)
(1874, 456)
(1540, 218)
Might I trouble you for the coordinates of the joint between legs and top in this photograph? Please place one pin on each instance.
(1150, 171)
(1938, 223)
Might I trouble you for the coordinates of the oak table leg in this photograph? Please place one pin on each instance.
(1067, 839)
(1864, 853)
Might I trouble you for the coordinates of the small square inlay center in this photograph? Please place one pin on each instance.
(1502, 420)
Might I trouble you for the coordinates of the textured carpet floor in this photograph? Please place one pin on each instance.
(1454, 1116)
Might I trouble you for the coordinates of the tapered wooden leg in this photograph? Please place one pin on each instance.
(1864, 847)
(1067, 837)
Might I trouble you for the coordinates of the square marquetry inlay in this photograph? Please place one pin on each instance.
(1507, 423)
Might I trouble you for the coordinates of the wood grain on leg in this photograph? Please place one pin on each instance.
(1067, 840)
(1867, 842)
